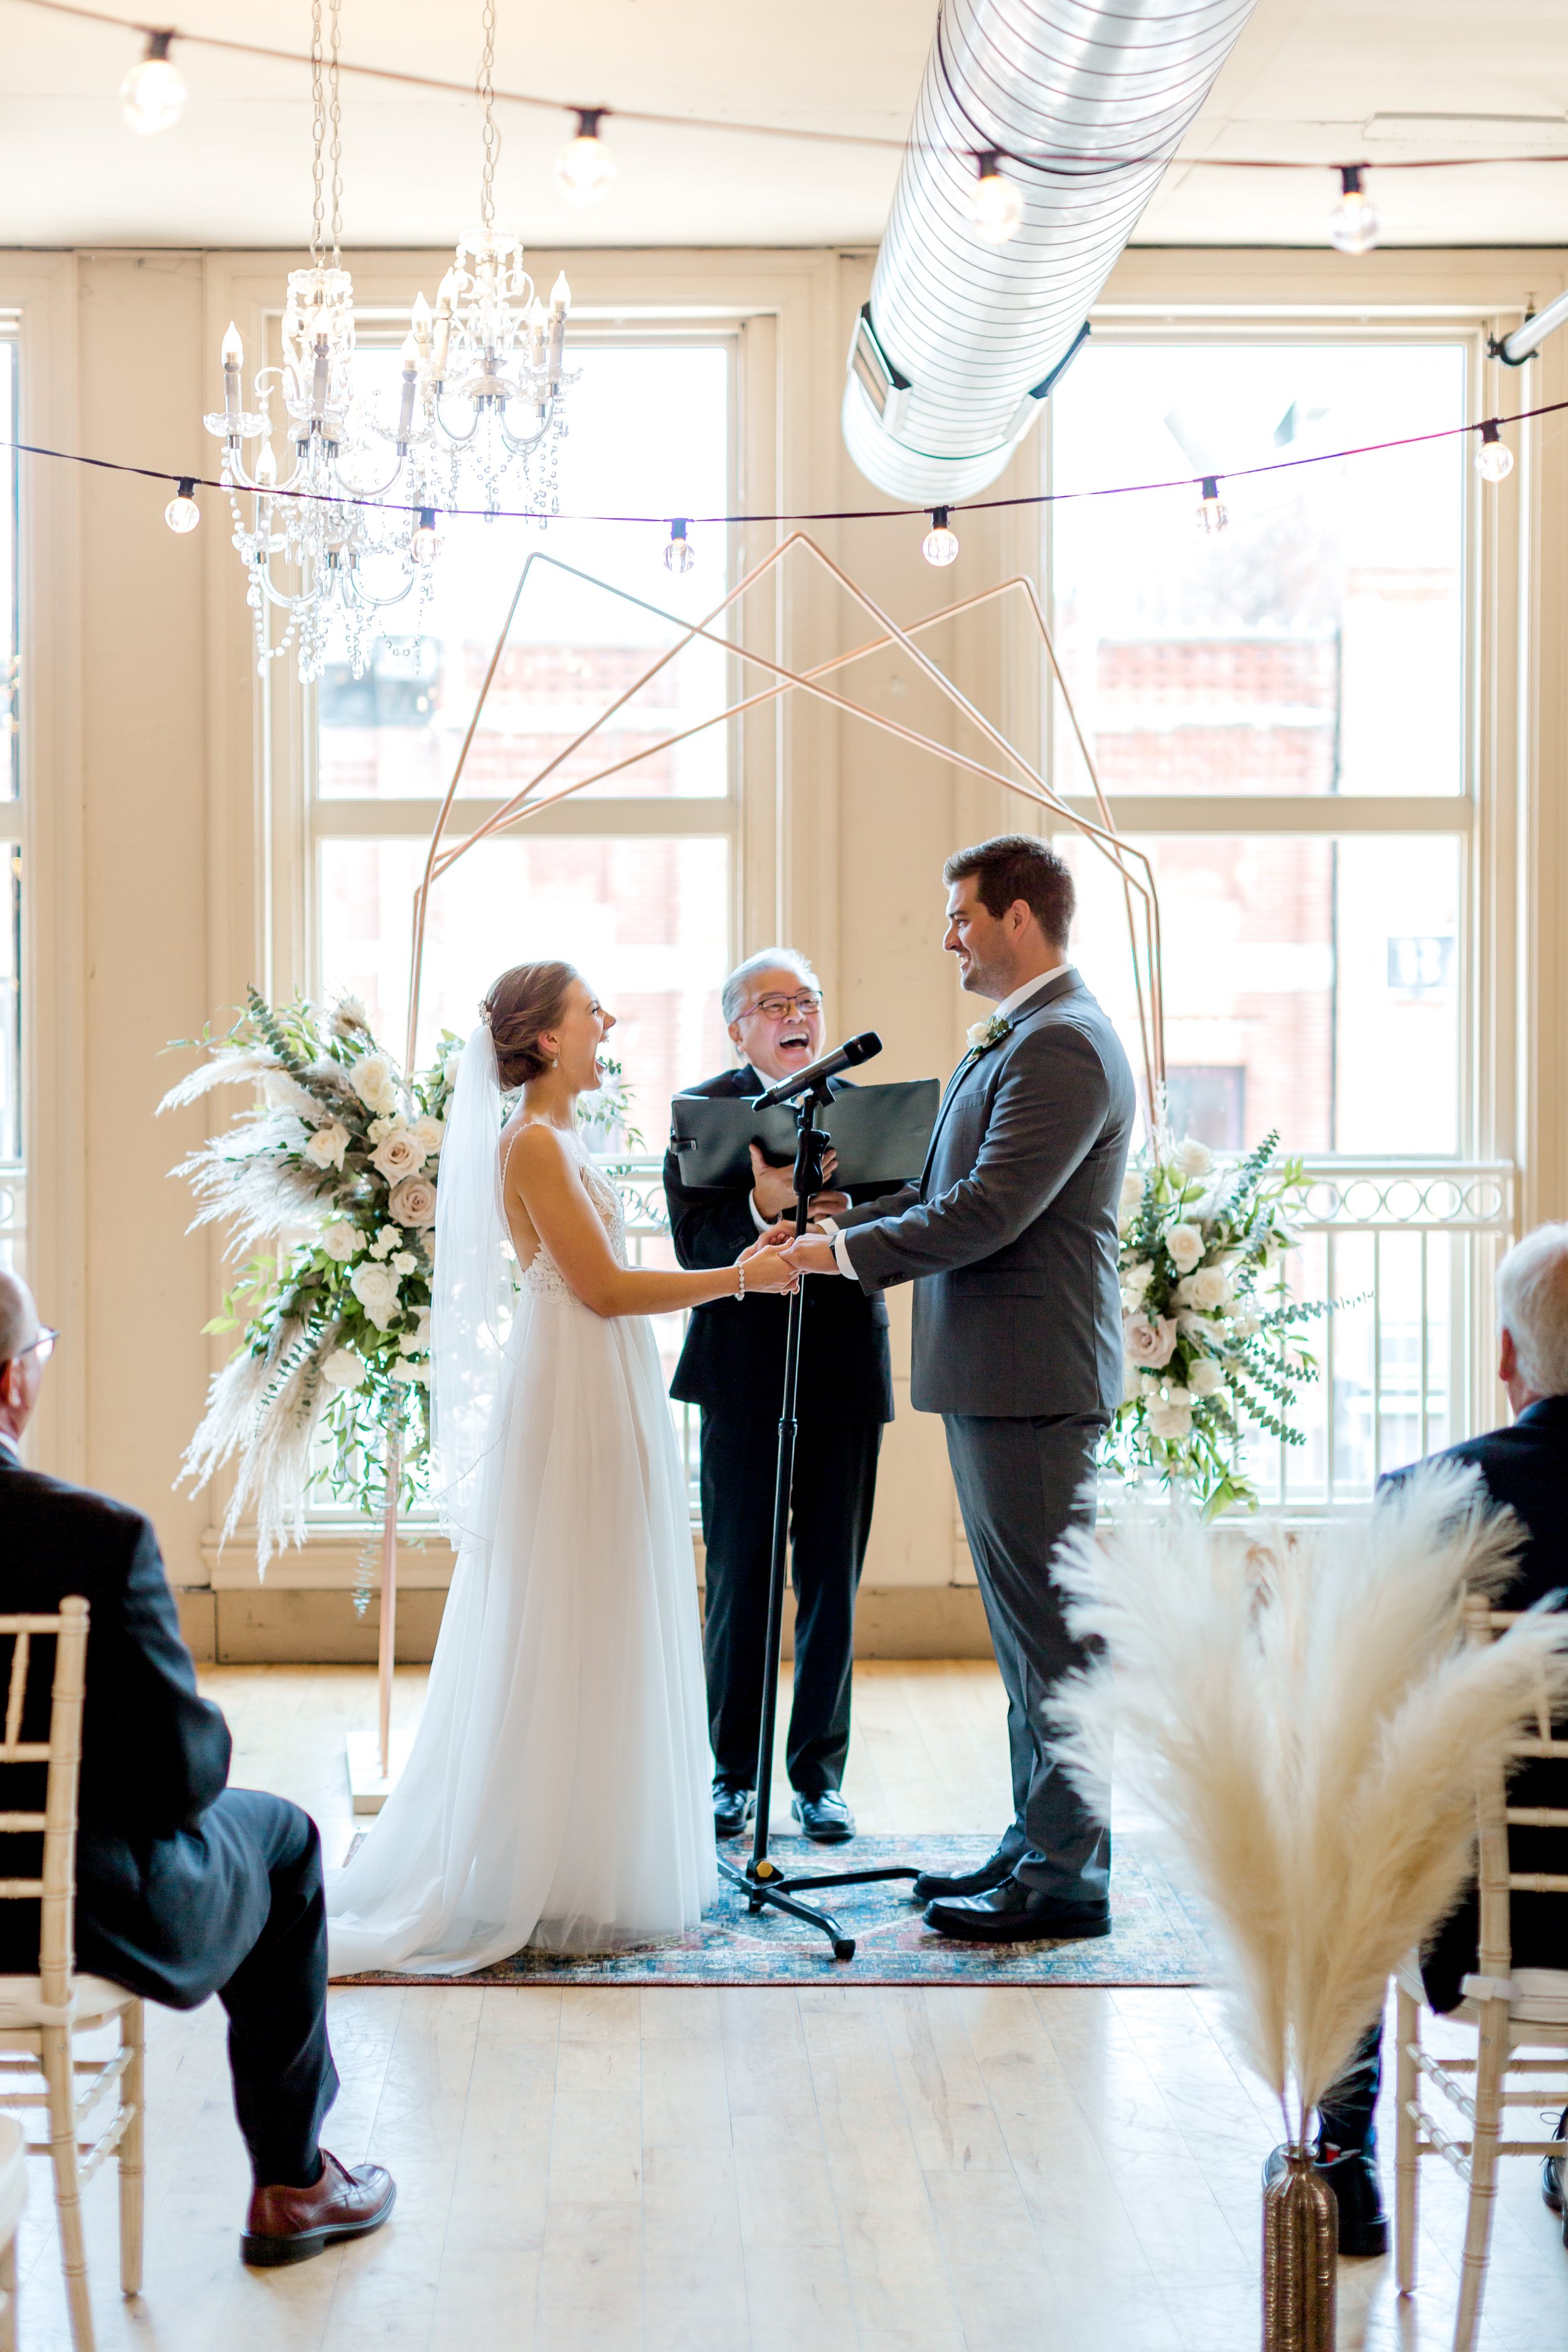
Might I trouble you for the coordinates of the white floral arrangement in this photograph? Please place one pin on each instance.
(1207, 1321)
(334, 1170)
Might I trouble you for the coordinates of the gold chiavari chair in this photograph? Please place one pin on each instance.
(40, 2016)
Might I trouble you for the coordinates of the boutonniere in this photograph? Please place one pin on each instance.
(984, 1034)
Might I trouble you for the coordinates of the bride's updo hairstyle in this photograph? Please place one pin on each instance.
(530, 998)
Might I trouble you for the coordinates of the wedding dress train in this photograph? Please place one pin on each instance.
(557, 1792)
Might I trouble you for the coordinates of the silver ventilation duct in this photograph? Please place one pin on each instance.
(1085, 104)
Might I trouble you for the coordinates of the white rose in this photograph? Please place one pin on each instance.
(344, 1369)
(380, 1127)
(430, 1133)
(328, 1145)
(1170, 1421)
(450, 1065)
(1131, 1188)
(1148, 1343)
(1182, 1293)
(408, 1373)
(1135, 1279)
(1193, 1158)
(1177, 1394)
(1185, 1246)
(1211, 1288)
(1246, 1327)
(376, 1288)
(398, 1155)
(413, 1203)
(404, 1261)
(1205, 1378)
(341, 1241)
(385, 1242)
(374, 1081)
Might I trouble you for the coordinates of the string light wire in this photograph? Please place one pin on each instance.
(1486, 426)
(809, 134)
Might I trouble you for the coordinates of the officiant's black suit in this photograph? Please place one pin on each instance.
(731, 1367)
(184, 1886)
(1524, 1466)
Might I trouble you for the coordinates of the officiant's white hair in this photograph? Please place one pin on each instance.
(1532, 1306)
(19, 1316)
(738, 987)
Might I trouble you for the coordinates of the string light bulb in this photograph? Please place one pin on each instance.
(1212, 516)
(995, 203)
(680, 555)
(1353, 223)
(585, 167)
(181, 513)
(939, 545)
(153, 95)
(1494, 458)
(425, 544)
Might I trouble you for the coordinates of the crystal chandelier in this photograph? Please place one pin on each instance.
(486, 367)
(318, 517)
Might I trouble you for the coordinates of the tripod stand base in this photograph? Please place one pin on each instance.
(775, 1889)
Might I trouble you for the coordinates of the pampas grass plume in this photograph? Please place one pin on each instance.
(1297, 1711)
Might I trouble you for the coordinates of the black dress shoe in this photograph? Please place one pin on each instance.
(733, 1808)
(824, 1817)
(1358, 2193)
(1015, 1913)
(1552, 2178)
(931, 1883)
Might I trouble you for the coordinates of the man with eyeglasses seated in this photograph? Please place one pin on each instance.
(731, 1367)
(184, 1886)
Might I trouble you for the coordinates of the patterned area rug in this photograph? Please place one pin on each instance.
(1156, 1938)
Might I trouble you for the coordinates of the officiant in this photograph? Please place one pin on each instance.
(732, 1368)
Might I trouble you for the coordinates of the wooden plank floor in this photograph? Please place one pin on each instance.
(686, 2170)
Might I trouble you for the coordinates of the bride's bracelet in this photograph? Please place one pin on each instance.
(740, 1271)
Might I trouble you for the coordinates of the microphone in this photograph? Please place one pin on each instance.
(843, 1057)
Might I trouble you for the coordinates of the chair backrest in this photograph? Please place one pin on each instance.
(55, 1892)
(1495, 1882)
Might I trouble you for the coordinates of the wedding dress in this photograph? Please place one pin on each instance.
(557, 1792)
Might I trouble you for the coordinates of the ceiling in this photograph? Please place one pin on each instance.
(1312, 80)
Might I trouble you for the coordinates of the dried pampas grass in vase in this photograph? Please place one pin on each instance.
(1298, 1713)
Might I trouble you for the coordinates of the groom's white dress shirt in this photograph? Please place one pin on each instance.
(1008, 1006)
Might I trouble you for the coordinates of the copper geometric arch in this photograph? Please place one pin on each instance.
(1137, 877)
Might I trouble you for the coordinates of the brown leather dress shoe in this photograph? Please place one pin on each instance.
(290, 2225)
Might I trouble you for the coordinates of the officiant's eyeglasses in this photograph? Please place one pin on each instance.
(805, 1000)
(43, 1347)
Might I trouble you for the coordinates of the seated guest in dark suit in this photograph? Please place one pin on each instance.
(1525, 1467)
(732, 1368)
(184, 1886)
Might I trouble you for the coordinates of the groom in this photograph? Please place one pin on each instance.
(1010, 1239)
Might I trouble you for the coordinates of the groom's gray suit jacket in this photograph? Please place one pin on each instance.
(1010, 1236)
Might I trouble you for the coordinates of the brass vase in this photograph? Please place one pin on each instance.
(1301, 2249)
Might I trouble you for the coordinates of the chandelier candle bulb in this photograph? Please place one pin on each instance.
(939, 545)
(1353, 223)
(419, 326)
(1494, 458)
(446, 294)
(233, 360)
(153, 95)
(1212, 516)
(410, 390)
(585, 167)
(181, 513)
(996, 203)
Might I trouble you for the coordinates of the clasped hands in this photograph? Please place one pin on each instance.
(772, 1190)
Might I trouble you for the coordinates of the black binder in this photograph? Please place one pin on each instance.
(880, 1134)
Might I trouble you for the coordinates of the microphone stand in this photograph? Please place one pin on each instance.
(761, 1878)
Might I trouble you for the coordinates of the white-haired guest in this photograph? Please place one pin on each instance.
(1525, 1467)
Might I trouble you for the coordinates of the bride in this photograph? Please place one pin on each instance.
(557, 1790)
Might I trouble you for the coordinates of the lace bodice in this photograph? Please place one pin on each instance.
(541, 1277)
